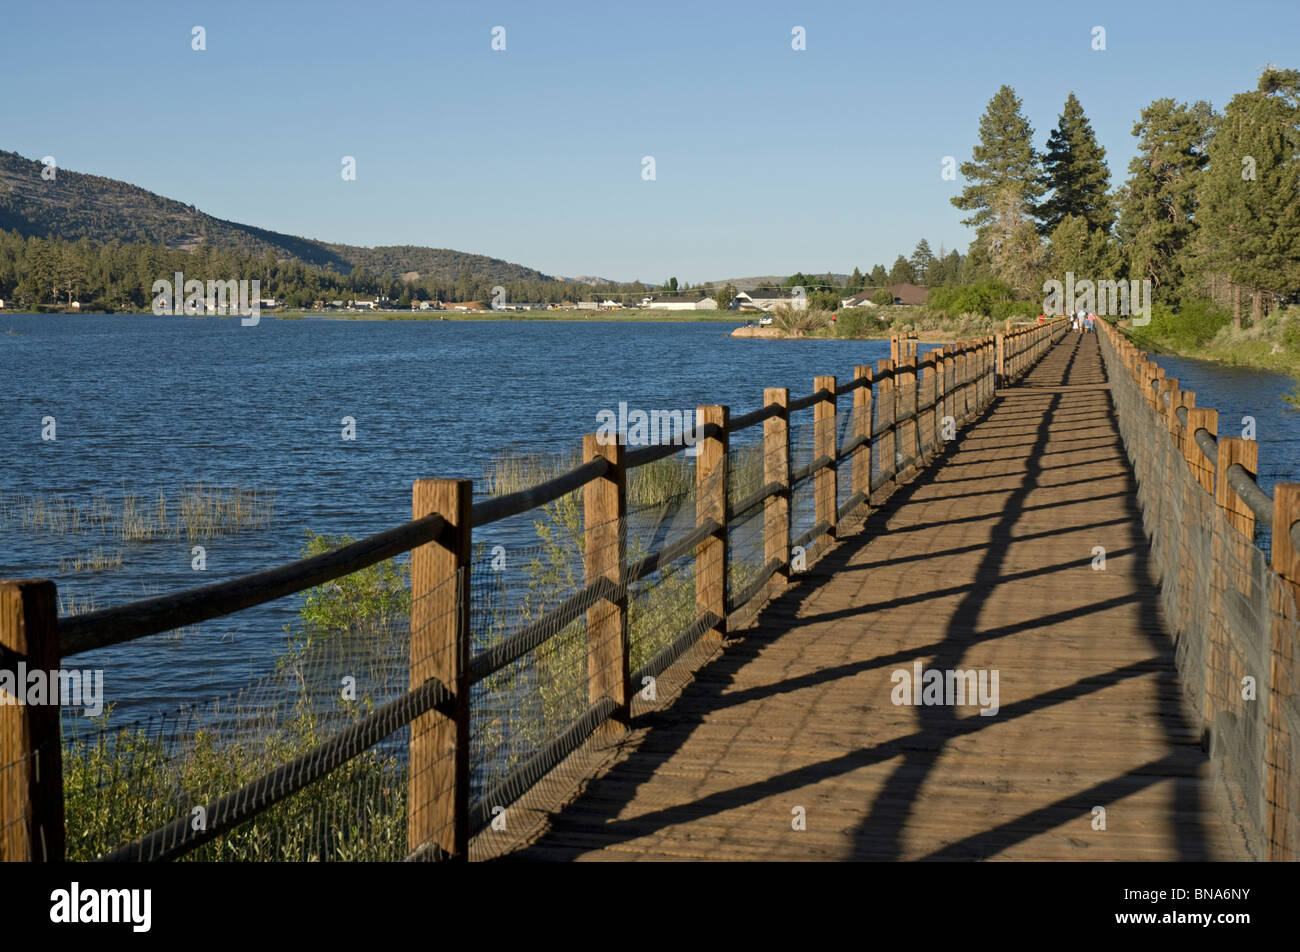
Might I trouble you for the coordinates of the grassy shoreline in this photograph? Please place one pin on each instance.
(1201, 332)
(1251, 355)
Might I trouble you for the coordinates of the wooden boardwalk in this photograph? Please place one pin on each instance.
(985, 561)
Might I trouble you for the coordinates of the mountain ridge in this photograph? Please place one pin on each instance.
(77, 205)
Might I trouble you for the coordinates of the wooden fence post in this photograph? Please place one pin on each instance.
(1282, 801)
(776, 469)
(1215, 651)
(31, 754)
(1233, 449)
(861, 474)
(963, 383)
(438, 809)
(888, 462)
(907, 397)
(825, 481)
(1202, 465)
(928, 435)
(604, 503)
(1000, 361)
(711, 504)
(949, 383)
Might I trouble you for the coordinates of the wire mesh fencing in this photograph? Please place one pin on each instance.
(1234, 622)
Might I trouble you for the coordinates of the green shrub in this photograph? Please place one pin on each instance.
(982, 297)
(375, 592)
(1291, 329)
(883, 298)
(1196, 321)
(857, 322)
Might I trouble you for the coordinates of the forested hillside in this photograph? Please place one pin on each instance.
(73, 205)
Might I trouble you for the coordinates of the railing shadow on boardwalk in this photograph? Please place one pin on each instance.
(878, 835)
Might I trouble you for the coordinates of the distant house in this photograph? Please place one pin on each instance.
(861, 299)
(463, 306)
(764, 299)
(684, 304)
(911, 294)
(588, 306)
(2, 302)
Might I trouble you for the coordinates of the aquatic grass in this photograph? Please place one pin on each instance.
(70, 603)
(209, 511)
(138, 522)
(96, 561)
(202, 511)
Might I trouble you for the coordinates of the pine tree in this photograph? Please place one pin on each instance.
(922, 261)
(1076, 174)
(1004, 173)
(879, 277)
(1074, 246)
(1157, 217)
(901, 272)
(1249, 196)
(856, 282)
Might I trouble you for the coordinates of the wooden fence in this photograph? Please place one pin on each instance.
(902, 413)
(1232, 609)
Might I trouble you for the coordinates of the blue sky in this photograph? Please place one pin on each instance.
(767, 160)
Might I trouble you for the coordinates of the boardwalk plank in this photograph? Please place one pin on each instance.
(985, 562)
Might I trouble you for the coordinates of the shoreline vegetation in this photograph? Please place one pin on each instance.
(1201, 330)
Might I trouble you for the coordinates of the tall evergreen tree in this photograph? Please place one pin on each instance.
(1075, 173)
(879, 277)
(1074, 246)
(1006, 182)
(1249, 197)
(1004, 163)
(922, 261)
(901, 272)
(1158, 212)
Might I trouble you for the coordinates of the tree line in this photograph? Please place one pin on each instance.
(117, 276)
(1210, 208)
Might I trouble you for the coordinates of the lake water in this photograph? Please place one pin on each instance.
(144, 403)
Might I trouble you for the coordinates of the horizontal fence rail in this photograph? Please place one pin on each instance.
(903, 412)
(1231, 607)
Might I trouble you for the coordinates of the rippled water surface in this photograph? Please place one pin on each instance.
(145, 403)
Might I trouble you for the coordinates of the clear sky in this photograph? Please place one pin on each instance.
(767, 160)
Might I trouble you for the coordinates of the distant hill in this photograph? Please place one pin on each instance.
(768, 281)
(76, 205)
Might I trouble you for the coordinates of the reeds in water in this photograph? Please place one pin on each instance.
(205, 511)
(96, 561)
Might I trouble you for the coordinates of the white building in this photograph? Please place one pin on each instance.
(677, 304)
(767, 298)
